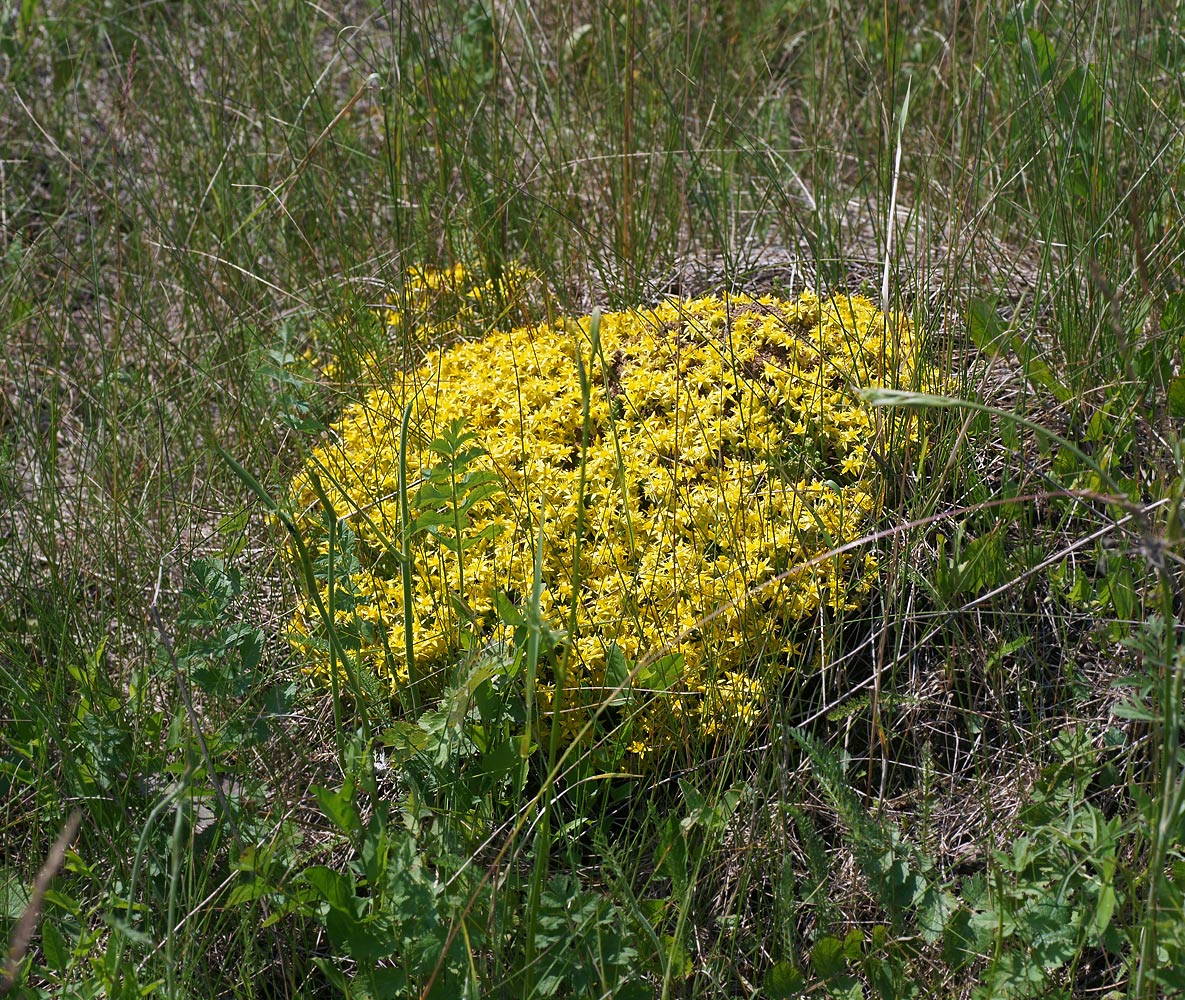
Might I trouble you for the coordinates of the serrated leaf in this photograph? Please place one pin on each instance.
(846, 988)
(1134, 710)
(365, 941)
(251, 649)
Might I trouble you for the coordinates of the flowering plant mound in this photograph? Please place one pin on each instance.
(724, 452)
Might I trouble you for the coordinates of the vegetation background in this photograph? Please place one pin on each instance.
(981, 795)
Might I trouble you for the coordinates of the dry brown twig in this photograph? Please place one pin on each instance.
(23, 933)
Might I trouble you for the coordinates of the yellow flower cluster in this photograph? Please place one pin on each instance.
(726, 450)
(439, 303)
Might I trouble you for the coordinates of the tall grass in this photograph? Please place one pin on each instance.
(979, 792)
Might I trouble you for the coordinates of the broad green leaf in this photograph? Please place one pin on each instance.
(827, 958)
(962, 939)
(987, 331)
(335, 888)
(1043, 52)
(783, 982)
(1079, 102)
(366, 941)
(63, 901)
(250, 646)
(1118, 591)
(1172, 316)
(934, 911)
(248, 890)
(676, 958)
(1104, 909)
(853, 945)
(991, 335)
(662, 673)
(617, 675)
(1176, 397)
(672, 858)
(54, 947)
(14, 894)
(339, 807)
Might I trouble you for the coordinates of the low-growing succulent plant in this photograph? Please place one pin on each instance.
(680, 474)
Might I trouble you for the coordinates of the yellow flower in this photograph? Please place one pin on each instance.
(726, 450)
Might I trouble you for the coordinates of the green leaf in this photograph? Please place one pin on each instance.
(233, 528)
(783, 982)
(1104, 909)
(508, 613)
(984, 326)
(1172, 316)
(672, 857)
(1135, 710)
(934, 911)
(380, 984)
(133, 934)
(1176, 397)
(990, 334)
(710, 816)
(1118, 591)
(1043, 52)
(982, 563)
(617, 675)
(54, 946)
(14, 895)
(853, 945)
(827, 958)
(335, 888)
(248, 890)
(251, 649)
(1079, 102)
(676, 958)
(962, 940)
(1040, 374)
(662, 673)
(339, 808)
(365, 941)
(846, 988)
(65, 902)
